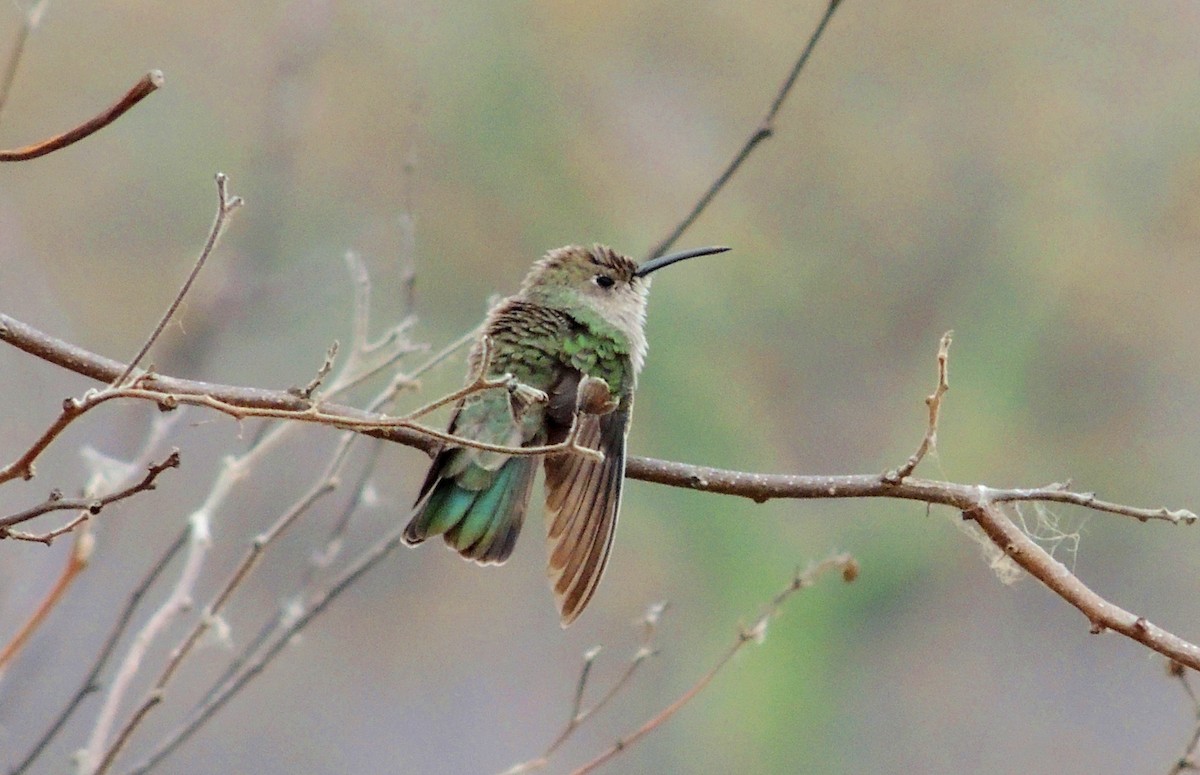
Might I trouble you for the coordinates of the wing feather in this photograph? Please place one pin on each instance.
(583, 498)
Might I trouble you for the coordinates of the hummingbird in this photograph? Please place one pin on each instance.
(573, 338)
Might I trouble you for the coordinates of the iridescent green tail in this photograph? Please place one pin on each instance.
(478, 513)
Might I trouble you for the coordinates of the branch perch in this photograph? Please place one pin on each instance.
(140, 91)
(978, 502)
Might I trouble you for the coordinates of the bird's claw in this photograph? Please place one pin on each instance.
(522, 396)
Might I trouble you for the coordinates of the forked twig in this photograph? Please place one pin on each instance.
(307, 391)
(844, 563)
(149, 83)
(88, 507)
(305, 614)
(226, 205)
(579, 714)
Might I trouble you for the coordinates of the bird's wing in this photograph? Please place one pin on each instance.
(582, 500)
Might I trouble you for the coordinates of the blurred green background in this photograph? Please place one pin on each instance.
(1025, 174)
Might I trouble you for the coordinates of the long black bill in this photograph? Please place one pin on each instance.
(655, 264)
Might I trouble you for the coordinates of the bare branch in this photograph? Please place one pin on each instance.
(765, 129)
(90, 682)
(369, 357)
(226, 205)
(99, 754)
(150, 82)
(233, 471)
(303, 616)
(645, 650)
(319, 561)
(23, 466)
(88, 505)
(843, 563)
(1102, 614)
(106, 370)
(759, 487)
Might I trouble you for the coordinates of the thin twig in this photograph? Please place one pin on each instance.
(98, 755)
(33, 17)
(91, 682)
(89, 506)
(649, 625)
(377, 425)
(77, 560)
(112, 478)
(934, 402)
(1188, 761)
(150, 82)
(319, 560)
(765, 129)
(100, 752)
(234, 470)
(844, 563)
(337, 533)
(226, 205)
(23, 466)
(324, 484)
(314, 607)
(307, 391)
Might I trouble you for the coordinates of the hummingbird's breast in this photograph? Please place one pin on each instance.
(622, 318)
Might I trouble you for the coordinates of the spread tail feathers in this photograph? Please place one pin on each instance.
(479, 520)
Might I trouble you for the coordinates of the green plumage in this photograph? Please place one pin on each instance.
(579, 313)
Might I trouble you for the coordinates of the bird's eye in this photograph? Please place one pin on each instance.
(604, 281)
